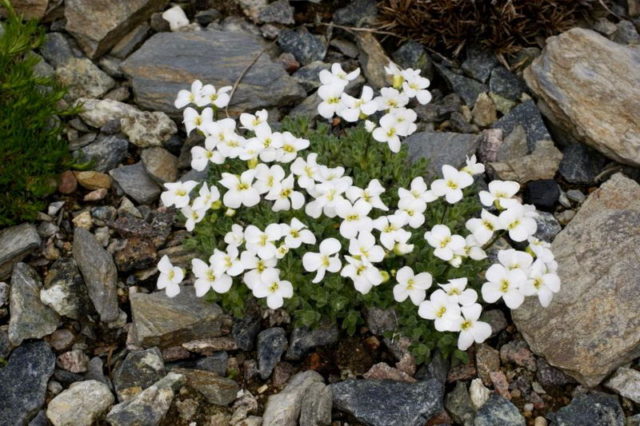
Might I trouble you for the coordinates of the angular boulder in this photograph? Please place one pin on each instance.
(592, 325)
(590, 87)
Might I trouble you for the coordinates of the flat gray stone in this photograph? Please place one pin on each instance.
(441, 148)
(626, 382)
(593, 409)
(82, 404)
(136, 183)
(498, 411)
(168, 62)
(138, 371)
(284, 408)
(15, 243)
(105, 153)
(215, 389)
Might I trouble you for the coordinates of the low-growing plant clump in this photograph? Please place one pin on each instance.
(33, 151)
(350, 224)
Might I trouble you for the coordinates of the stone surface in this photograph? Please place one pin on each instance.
(458, 404)
(15, 243)
(105, 153)
(487, 360)
(597, 409)
(542, 193)
(467, 88)
(23, 382)
(244, 332)
(165, 322)
(99, 273)
(30, 318)
(284, 408)
(138, 371)
(97, 26)
(30, 9)
(478, 393)
(75, 361)
(506, 84)
(159, 67)
(160, 164)
(83, 79)
(548, 226)
(591, 326)
(413, 55)
(581, 164)
(93, 180)
(317, 402)
(441, 148)
(307, 75)
(372, 59)
(215, 389)
(498, 411)
(626, 382)
(357, 13)
(484, 111)
(382, 371)
(303, 339)
(272, 343)
(136, 183)
(542, 163)
(479, 63)
(528, 116)
(150, 406)
(303, 45)
(82, 404)
(590, 88)
(383, 402)
(279, 12)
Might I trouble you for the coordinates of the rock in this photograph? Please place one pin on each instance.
(479, 63)
(548, 227)
(549, 376)
(487, 360)
(543, 194)
(595, 98)
(216, 363)
(382, 371)
(278, 12)
(528, 116)
(441, 148)
(373, 59)
(306, 47)
(82, 404)
(357, 13)
(383, 402)
(589, 328)
(96, 195)
(16, 242)
(316, 405)
(99, 26)
(105, 153)
(157, 70)
(136, 254)
(74, 361)
(99, 272)
(626, 33)
(64, 290)
(437, 368)
(215, 389)
(83, 220)
(307, 76)
(478, 393)
(30, 9)
(67, 183)
(458, 404)
(4, 294)
(23, 382)
(506, 84)
(596, 408)
(498, 410)
(165, 322)
(131, 41)
(138, 371)
(245, 331)
(83, 78)
(413, 55)
(581, 164)
(626, 382)
(160, 164)
(272, 343)
(484, 111)
(468, 89)
(284, 408)
(150, 406)
(93, 180)
(379, 321)
(303, 339)
(136, 183)
(61, 339)
(30, 318)
(542, 163)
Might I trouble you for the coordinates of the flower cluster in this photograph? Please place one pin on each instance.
(370, 235)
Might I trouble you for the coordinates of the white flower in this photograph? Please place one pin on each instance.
(369, 126)
(396, 74)
(504, 283)
(255, 267)
(358, 108)
(458, 292)
(170, 277)
(192, 217)
(201, 156)
(445, 244)
(390, 228)
(331, 95)
(411, 285)
(327, 197)
(418, 191)
(441, 308)
(227, 261)
(541, 282)
(472, 330)
(326, 260)
(411, 211)
(285, 196)
(194, 120)
(388, 132)
(415, 86)
(290, 147)
(297, 234)
(235, 237)
(271, 287)
(177, 193)
(541, 249)
(240, 190)
(390, 99)
(355, 219)
(208, 277)
(219, 98)
(271, 143)
(452, 184)
(473, 249)
(337, 75)
(516, 221)
(483, 228)
(473, 167)
(268, 178)
(207, 196)
(370, 195)
(186, 97)
(306, 170)
(252, 122)
(500, 194)
(515, 259)
(364, 248)
(405, 120)
(364, 275)
(262, 243)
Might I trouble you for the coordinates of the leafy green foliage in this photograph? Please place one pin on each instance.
(335, 299)
(33, 152)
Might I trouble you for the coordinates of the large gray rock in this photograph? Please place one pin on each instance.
(168, 62)
(136, 183)
(99, 25)
(99, 272)
(498, 411)
(23, 382)
(105, 153)
(626, 382)
(590, 87)
(592, 325)
(389, 403)
(30, 318)
(284, 408)
(441, 148)
(15, 243)
(162, 321)
(82, 404)
(138, 371)
(594, 409)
